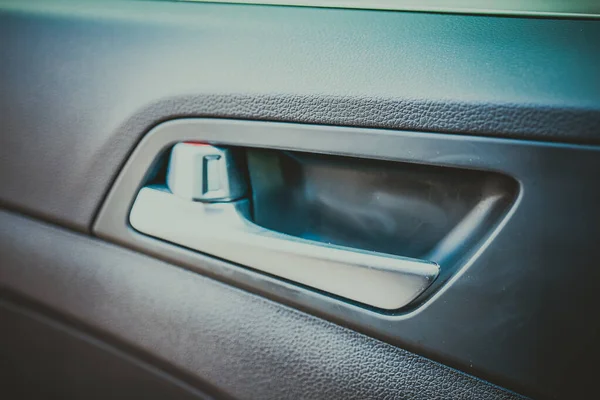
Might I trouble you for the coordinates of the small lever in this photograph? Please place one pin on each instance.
(186, 212)
(202, 172)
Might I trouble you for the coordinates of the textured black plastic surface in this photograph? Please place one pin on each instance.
(41, 358)
(82, 81)
(249, 347)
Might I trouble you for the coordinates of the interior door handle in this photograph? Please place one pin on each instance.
(225, 230)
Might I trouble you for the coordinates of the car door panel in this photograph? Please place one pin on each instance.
(240, 343)
(84, 84)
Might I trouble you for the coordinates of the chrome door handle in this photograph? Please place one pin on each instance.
(223, 230)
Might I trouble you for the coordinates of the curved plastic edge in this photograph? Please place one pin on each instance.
(589, 9)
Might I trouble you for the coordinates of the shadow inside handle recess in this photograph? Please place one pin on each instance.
(427, 212)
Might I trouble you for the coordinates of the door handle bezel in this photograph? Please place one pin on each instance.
(113, 224)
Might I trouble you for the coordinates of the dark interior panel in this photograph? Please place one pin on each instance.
(207, 329)
(43, 359)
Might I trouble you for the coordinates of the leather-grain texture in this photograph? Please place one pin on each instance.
(242, 344)
(83, 81)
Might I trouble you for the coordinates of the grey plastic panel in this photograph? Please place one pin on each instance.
(83, 80)
(249, 347)
(42, 358)
(497, 315)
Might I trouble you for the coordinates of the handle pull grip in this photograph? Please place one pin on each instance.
(224, 230)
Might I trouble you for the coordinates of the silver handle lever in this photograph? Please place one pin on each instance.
(224, 230)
